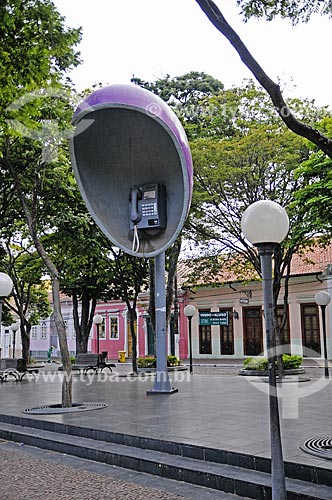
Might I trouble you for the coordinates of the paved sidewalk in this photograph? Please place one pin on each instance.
(28, 473)
(229, 412)
(24, 477)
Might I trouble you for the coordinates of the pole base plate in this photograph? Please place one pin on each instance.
(156, 391)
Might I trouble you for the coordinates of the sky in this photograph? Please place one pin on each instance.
(153, 38)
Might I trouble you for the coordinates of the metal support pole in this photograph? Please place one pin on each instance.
(1, 325)
(323, 309)
(162, 383)
(190, 346)
(14, 342)
(176, 316)
(277, 465)
(97, 338)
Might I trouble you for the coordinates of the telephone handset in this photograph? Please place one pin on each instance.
(135, 215)
(148, 207)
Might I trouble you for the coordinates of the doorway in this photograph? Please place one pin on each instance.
(253, 331)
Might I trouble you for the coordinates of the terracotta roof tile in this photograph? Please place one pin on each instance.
(312, 260)
(225, 269)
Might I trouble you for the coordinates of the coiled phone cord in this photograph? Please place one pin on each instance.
(135, 247)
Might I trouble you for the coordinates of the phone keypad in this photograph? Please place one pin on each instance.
(148, 209)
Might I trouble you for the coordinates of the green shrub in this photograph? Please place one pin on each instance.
(173, 361)
(146, 362)
(290, 363)
(150, 361)
(72, 359)
(255, 364)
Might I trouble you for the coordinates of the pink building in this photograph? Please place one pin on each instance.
(114, 331)
(241, 302)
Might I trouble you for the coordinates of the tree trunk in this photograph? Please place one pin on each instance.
(217, 19)
(132, 319)
(83, 326)
(54, 273)
(152, 306)
(172, 266)
(278, 276)
(176, 315)
(62, 334)
(25, 339)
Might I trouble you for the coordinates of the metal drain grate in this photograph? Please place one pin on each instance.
(319, 446)
(57, 408)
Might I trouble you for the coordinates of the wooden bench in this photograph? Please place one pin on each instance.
(88, 361)
(15, 367)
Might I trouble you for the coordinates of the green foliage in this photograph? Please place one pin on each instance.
(146, 362)
(173, 360)
(314, 199)
(184, 95)
(130, 275)
(150, 361)
(290, 362)
(242, 156)
(301, 10)
(37, 47)
(255, 364)
(190, 87)
(254, 160)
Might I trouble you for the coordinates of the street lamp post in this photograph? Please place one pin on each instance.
(6, 286)
(97, 320)
(190, 311)
(323, 299)
(14, 327)
(265, 224)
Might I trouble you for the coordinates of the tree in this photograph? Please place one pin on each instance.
(314, 199)
(29, 185)
(259, 161)
(37, 50)
(30, 293)
(184, 89)
(130, 276)
(297, 10)
(81, 253)
(184, 94)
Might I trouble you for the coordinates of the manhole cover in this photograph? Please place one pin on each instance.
(57, 408)
(319, 446)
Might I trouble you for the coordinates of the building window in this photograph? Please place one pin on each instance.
(226, 334)
(310, 330)
(284, 333)
(102, 329)
(43, 331)
(205, 340)
(34, 332)
(114, 327)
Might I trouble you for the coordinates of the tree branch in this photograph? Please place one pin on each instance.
(273, 89)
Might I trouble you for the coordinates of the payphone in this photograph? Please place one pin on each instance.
(147, 210)
(148, 206)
